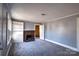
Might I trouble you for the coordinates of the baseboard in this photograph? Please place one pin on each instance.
(72, 48)
(8, 49)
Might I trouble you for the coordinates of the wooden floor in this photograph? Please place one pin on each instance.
(40, 48)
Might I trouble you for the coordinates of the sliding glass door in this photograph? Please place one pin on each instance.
(17, 31)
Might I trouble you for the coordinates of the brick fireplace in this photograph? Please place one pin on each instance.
(28, 35)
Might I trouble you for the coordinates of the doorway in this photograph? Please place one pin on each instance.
(37, 30)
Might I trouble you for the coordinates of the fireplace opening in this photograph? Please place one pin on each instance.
(28, 36)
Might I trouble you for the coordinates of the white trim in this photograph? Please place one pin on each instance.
(42, 31)
(8, 49)
(77, 33)
(72, 48)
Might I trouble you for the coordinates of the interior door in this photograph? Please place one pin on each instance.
(37, 31)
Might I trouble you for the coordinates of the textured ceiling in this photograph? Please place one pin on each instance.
(32, 12)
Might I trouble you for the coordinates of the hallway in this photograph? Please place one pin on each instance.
(39, 48)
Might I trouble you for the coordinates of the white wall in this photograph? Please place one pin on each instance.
(0, 25)
(9, 29)
(29, 26)
(62, 31)
(0, 52)
(78, 33)
(42, 32)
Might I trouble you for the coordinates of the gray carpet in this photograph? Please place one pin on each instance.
(40, 48)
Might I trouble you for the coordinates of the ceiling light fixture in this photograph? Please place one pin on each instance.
(43, 14)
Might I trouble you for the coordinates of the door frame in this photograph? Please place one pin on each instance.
(42, 33)
(39, 29)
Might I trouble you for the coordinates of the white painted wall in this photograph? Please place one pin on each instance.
(0, 25)
(78, 33)
(29, 26)
(42, 32)
(0, 52)
(69, 24)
